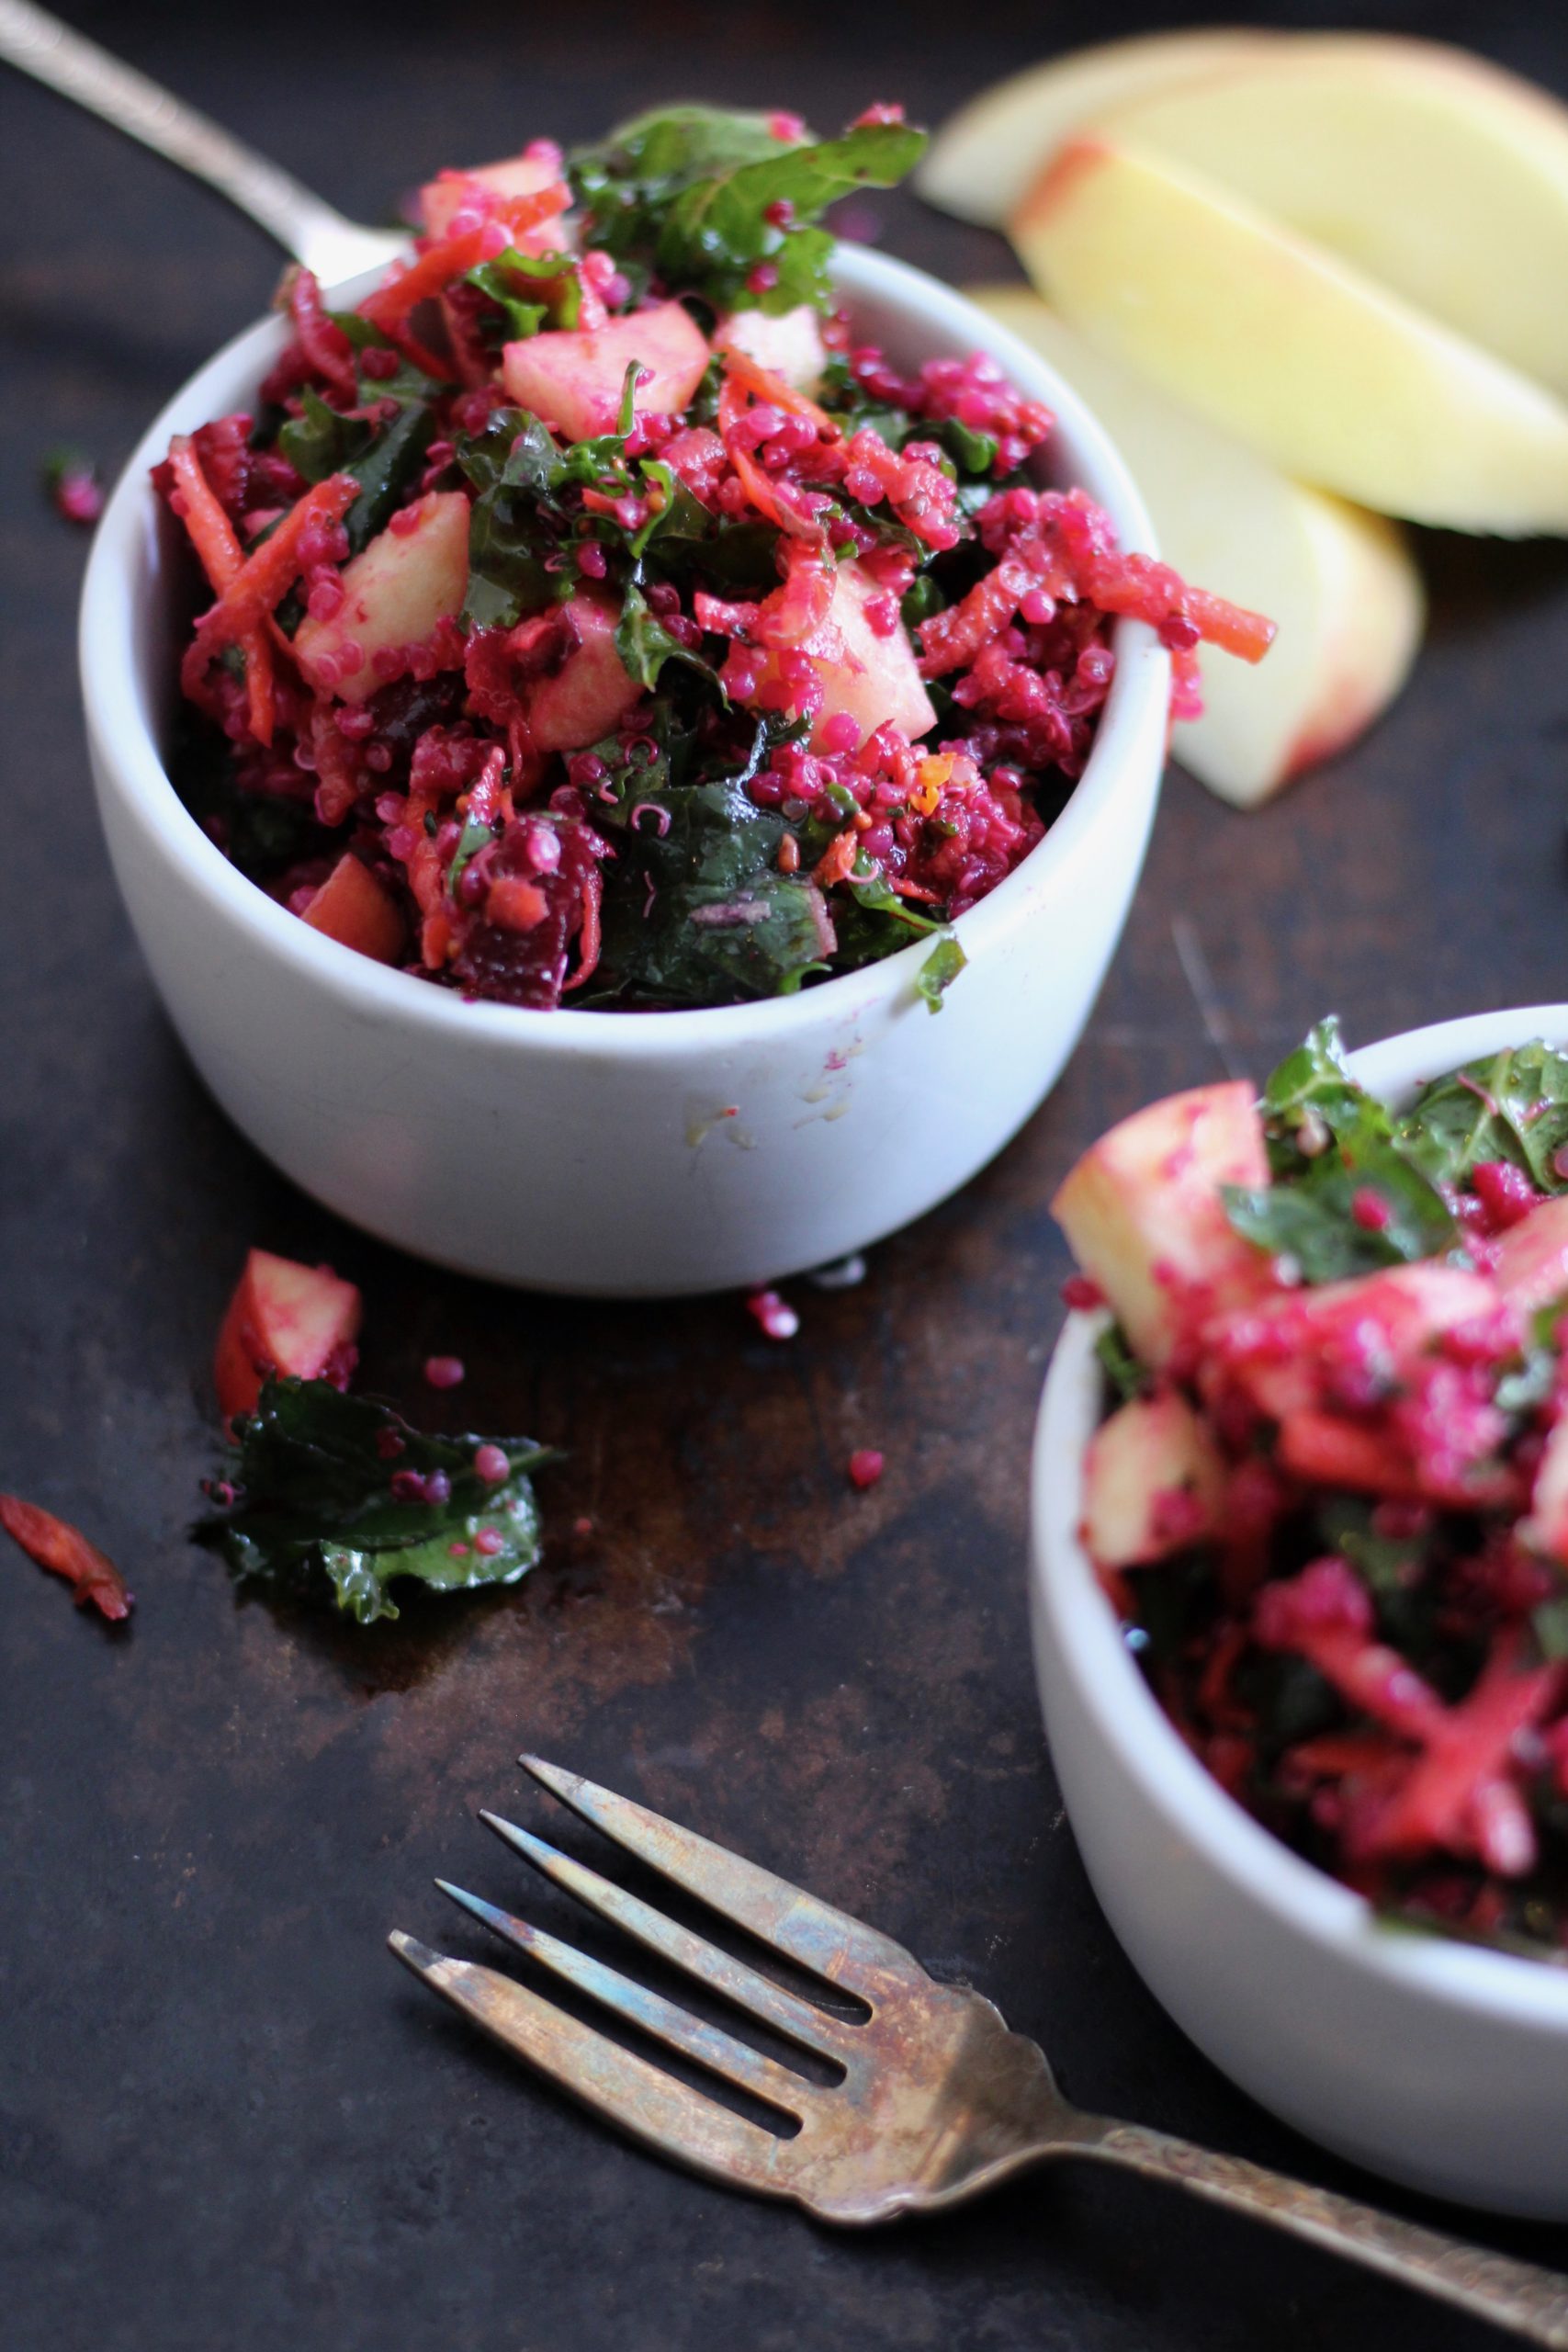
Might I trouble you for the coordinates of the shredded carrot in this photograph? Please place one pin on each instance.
(321, 340)
(223, 559)
(264, 579)
(744, 381)
(837, 859)
(741, 368)
(588, 943)
(417, 281)
(55, 1544)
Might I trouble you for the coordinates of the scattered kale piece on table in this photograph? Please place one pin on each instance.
(341, 1486)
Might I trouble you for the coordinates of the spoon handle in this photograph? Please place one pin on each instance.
(40, 45)
(1513, 2295)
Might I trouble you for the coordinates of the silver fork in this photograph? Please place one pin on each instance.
(936, 2098)
(334, 248)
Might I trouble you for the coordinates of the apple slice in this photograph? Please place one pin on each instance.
(789, 347)
(1546, 1529)
(299, 1321)
(1154, 1482)
(1143, 1215)
(1338, 581)
(413, 575)
(591, 691)
(984, 157)
(1300, 1351)
(1531, 1267)
(573, 378)
(538, 168)
(1298, 352)
(1442, 176)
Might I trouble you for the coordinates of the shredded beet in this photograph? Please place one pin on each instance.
(636, 705)
(1339, 1529)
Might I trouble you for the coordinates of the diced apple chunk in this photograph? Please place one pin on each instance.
(1546, 1529)
(1532, 1267)
(789, 347)
(1143, 1213)
(1330, 1342)
(297, 1321)
(411, 576)
(573, 378)
(1154, 1482)
(875, 681)
(592, 692)
(872, 679)
(441, 199)
(350, 906)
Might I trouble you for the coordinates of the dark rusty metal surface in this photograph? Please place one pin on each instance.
(225, 2118)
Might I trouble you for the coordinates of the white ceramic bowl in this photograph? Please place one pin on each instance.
(619, 1153)
(1442, 2066)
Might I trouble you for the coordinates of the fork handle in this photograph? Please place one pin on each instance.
(39, 44)
(1513, 2295)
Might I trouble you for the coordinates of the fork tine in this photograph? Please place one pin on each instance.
(746, 1986)
(634, 2095)
(829, 1942)
(665, 2021)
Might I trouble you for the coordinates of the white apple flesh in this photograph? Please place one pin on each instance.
(1312, 364)
(395, 591)
(1337, 581)
(1154, 1482)
(1440, 176)
(1143, 1218)
(985, 156)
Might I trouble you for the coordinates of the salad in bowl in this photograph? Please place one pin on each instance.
(1331, 1503)
(1299, 1563)
(591, 618)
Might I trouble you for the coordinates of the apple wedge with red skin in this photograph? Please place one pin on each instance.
(574, 378)
(1144, 1218)
(299, 1322)
(1154, 1482)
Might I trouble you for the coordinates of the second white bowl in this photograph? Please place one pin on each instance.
(618, 1154)
(1441, 2066)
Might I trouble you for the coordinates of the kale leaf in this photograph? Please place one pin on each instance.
(383, 460)
(940, 970)
(526, 290)
(514, 466)
(1513, 1107)
(645, 645)
(701, 913)
(1128, 1377)
(315, 1496)
(1329, 1141)
(684, 194)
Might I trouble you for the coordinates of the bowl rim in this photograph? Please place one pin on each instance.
(119, 702)
(1069, 1602)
